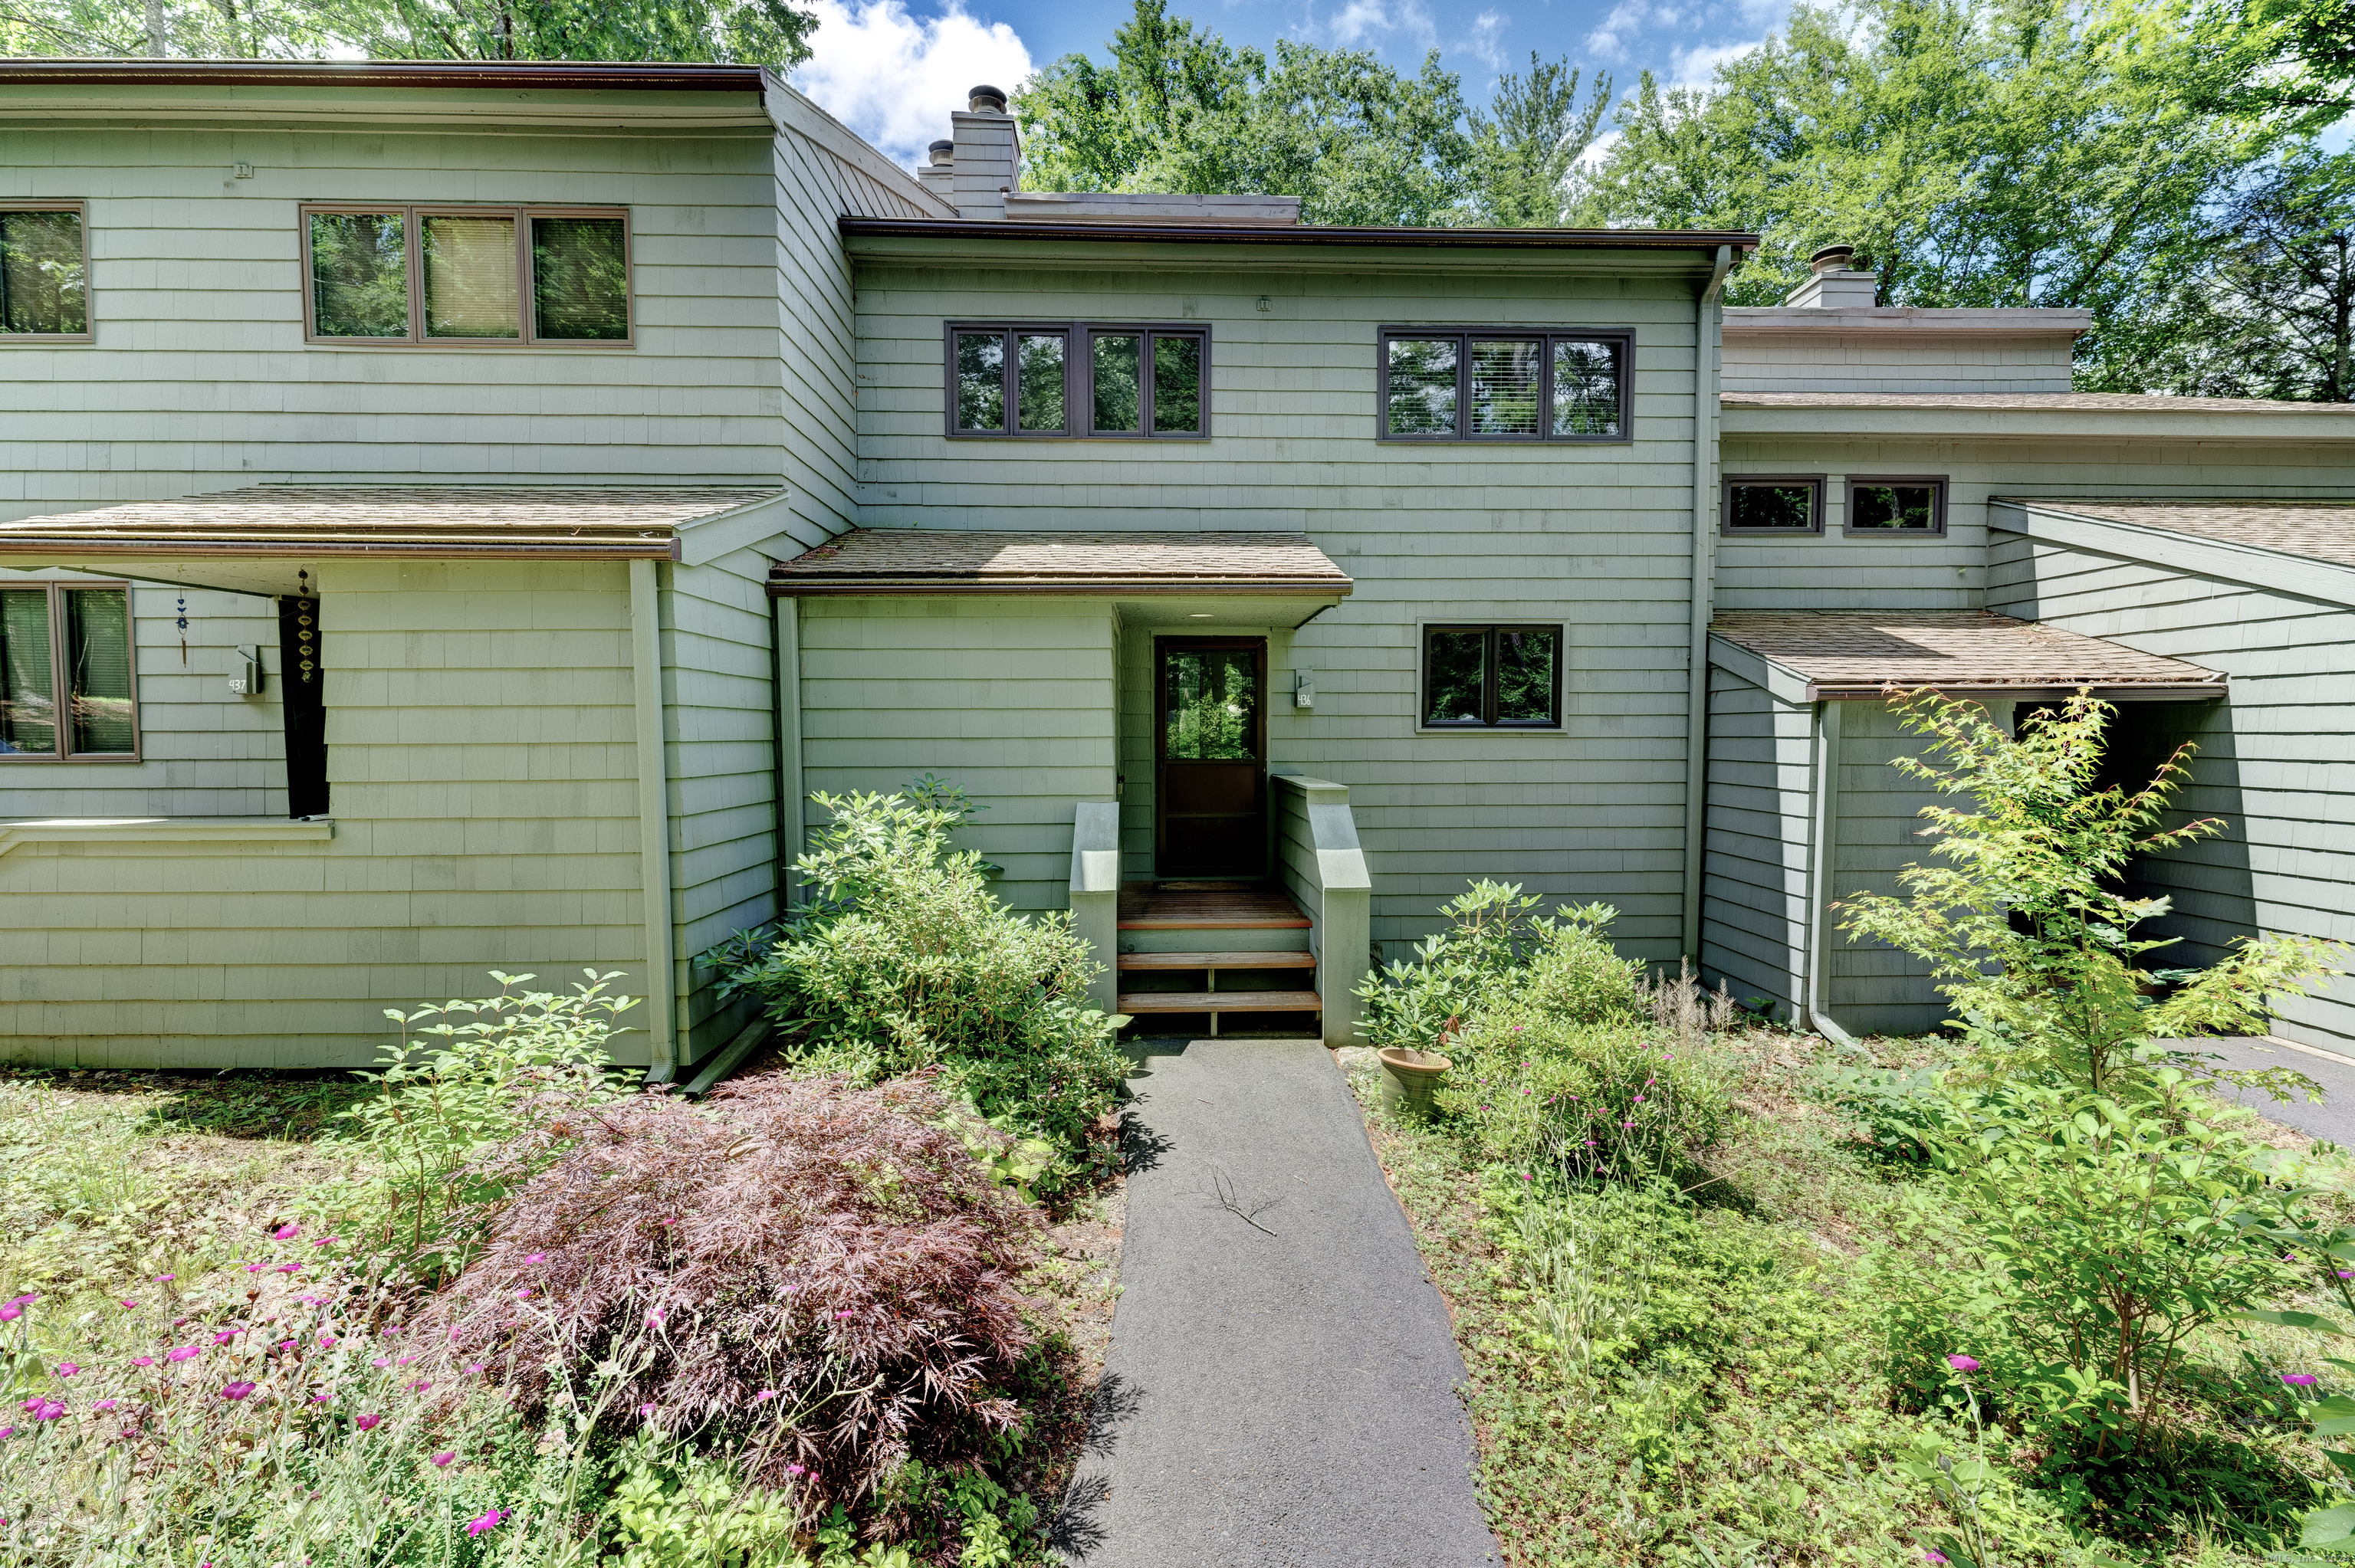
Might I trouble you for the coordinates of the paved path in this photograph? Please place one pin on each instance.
(1280, 1391)
(2334, 1119)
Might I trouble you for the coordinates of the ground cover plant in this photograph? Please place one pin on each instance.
(2024, 1294)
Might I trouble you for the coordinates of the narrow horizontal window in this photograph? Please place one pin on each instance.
(1492, 677)
(1491, 385)
(1773, 503)
(1897, 506)
(44, 274)
(1021, 381)
(472, 276)
(67, 686)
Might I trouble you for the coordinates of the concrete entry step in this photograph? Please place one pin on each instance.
(1220, 1002)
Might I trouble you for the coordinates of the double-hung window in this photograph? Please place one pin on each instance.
(44, 271)
(1504, 384)
(67, 689)
(1491, 677)
(480, 276)
(1085, 381)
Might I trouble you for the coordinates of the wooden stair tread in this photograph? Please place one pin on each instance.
(1206, 905)
(1220, 1002)
(1244, 959)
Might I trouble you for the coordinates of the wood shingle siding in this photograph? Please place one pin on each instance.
(2276, 761)
(1754, 898)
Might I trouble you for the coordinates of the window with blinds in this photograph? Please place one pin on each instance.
(68, 689)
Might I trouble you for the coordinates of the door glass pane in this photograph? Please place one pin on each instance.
(98, 670)
(1525, 661)
(981, 380)
(41, 285)
(1456, 677)
(1505, 387)
(1176, 386)
(1116, 375)
(1774, 506)
(1038, 376)
(580, 279)
(1213, 705)
(359, 274)
(1586, 389)
(28, 709)
(1905, 508)
(470, 277)
(1421, 386)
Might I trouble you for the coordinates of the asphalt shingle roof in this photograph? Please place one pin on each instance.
(605, 521)
(927, 560)
(2320, 530)
(2122, 402)
(1844, 653)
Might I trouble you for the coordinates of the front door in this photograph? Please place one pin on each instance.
(1209, 757)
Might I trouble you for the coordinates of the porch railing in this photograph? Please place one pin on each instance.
(1095, 892)
(1320, 864)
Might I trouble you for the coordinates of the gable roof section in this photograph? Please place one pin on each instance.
(935, 561)
(586, 522)
(1808, 656)
(2050, 416)
(2302, 547)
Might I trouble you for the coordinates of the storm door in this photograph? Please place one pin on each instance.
(1209, 755)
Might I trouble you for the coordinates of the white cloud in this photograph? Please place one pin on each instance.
(1697, 67)
(1483, 45)
(894, 78)
(1361, 22)
(1598, 150)
(1610, 40)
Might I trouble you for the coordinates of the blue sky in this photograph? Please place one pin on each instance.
(892, 70)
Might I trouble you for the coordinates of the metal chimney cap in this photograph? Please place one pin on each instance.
(986, 97)
(1833, 258)
(944, 153)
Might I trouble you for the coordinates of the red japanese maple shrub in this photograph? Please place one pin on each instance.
(820, 1277)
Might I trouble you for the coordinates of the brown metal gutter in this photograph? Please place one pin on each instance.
(1101, 587)
(2108, 691)
(293, 547)
(594, 74)
(1706, 240)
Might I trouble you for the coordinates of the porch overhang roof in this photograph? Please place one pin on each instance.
(1104, 565)
(682, 522)
(1806, 656)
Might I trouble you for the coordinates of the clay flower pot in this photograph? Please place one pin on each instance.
(1409, 1076)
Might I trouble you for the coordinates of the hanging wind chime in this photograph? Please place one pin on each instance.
(306, 631)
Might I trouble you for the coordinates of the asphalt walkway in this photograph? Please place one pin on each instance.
(1281, 1387)
(2334, 1119)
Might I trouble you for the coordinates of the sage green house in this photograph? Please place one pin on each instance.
(456, 516)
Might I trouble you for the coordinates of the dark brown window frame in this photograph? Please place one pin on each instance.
(1731, 481)
(1549, 335)
(1488, 720)
(1079, 379)
(89, 333)
(1936, 483)
(57, 682)
(412, 238)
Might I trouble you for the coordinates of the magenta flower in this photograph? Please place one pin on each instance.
(237, 1390)
(485, 1524)
(655, 1319)
(845, 1312)
(1932, 1554)
(1962, 1363)
(369, 1423)
(406, 1359)
(2298, 1380)
(320, 1398)
(67, 1369)
(106, 1404)
(326, 1341)
(11, 1312)
(536, 1257)
(327, 1241)
(523, 1295)
(381, 1362)
(6, 1433)
(285, 1232)
(420, 1386)
(47, 1410)
(131, 1305)
(255, 1267)
(143, 1361)
(224, 1336)
(180, 1353)
(796, 1470)
(645, 1412)
(766, 1393)
(286, 1268)
(165, 1278)
(442, 1460)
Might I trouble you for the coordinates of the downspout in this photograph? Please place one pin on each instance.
(1704, 552)
(1823, 852)
(654, 821)
(791, 827)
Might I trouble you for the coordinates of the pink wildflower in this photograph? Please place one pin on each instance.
(143, 1361)
(181, 1354)
(131, 1305)
(655, 1319)
(766, 1393)
(237, 1390)
(286, 1268)
(369, 1423)
(484, 1524)
(285, 1232)
(798, 1469)
(106, 1404)
(442, 1460)
(224, 1336)
(67, 1369)
(536, 1257)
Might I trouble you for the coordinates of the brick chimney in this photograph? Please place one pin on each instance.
(1834, 284)
(986, 159)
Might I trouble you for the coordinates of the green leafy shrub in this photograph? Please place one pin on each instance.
(907, 961)
(1491, 948)
(1587, 1099)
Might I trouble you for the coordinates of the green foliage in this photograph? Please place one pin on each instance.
(1524, 150)
(1560, 965)
(2023, 925)
(670, 1507)
(907, 960)
(1587, 1100)
(521, 1059)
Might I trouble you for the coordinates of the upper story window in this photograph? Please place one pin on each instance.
(1504, 384)
(1892, 506)
(555, 276)
(1111, 380)
(66, 682)
(1773, 503)
(44, 271)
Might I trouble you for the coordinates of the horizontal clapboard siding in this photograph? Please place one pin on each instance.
(1595, 538)
(2275, 760)
(1754, 933)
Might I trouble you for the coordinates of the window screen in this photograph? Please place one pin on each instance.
(1496, 677)
(44, 286)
